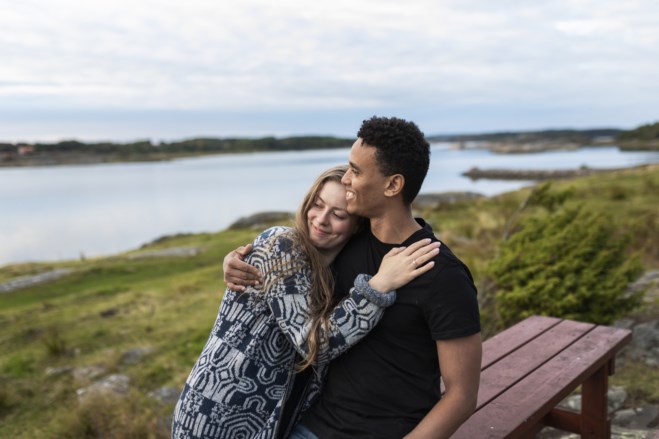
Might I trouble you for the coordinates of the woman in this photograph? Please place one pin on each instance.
(253, 377)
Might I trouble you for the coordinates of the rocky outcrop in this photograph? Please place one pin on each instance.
(35, 279)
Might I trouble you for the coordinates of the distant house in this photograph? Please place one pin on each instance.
(25, 149)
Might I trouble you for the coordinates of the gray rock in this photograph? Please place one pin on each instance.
(166, 395)
(628, 423)
(553, 433)
(52, 371)
(112, 385)
(627, 433)
(134, 356)
(617, 395)
(87, 373)
(28, 281)
(623, 417)
(645, 417)
(572, 402)
(652, 359)
(649, 283)
(644, 346)
(624, 323)
(646, 335)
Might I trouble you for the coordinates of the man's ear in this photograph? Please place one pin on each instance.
(395, 185)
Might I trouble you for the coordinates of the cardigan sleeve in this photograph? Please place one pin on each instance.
(288, 299)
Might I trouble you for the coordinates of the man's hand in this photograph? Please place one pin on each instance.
(239, 274)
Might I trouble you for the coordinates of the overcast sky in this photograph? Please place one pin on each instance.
(128, 69)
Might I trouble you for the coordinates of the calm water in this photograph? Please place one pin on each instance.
(62, 212)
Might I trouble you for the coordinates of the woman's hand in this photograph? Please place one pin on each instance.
(402, 264)
(239, 274)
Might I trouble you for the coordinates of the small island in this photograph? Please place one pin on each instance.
(476, 173)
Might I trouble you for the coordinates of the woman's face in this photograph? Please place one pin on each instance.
(330, 224)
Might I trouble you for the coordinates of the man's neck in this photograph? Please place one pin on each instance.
(394, 226)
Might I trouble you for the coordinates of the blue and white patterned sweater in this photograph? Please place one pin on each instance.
(239, 384)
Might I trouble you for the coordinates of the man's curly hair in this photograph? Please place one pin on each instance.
(400, 149)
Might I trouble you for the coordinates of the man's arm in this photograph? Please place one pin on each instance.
(239, 274)
(460, 362)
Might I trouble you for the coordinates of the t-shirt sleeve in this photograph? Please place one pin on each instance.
(451, 307)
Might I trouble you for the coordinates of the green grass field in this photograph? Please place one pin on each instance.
(111, 305)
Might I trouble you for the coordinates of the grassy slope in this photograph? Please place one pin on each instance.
(170, 304)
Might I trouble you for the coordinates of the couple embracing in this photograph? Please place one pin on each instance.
(341, 326)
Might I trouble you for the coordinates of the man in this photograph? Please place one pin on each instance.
(388, 385)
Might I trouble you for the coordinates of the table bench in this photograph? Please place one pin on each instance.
(529, 368)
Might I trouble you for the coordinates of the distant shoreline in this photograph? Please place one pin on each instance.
(68, 159)
(73, 152)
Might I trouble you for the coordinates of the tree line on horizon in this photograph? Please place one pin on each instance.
(198, 145)
(644, 133)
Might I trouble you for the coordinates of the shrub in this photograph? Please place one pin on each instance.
(111, 417)
(569, 263)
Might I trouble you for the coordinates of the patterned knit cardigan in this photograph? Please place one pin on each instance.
(239, 384)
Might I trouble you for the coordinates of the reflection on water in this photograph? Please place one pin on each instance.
(62, 212)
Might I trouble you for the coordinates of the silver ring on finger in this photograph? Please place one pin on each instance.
(414, 262)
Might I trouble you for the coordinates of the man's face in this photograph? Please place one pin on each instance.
(365, 184)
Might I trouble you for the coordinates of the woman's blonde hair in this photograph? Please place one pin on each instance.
(321, 294)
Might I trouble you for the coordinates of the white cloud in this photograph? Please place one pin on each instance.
(295, 55)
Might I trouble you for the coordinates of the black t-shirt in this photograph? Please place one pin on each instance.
(385, 384)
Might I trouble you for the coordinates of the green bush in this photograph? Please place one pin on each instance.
(113, 417)
(644, 132)
(567, 263)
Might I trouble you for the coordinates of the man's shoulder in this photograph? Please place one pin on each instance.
(448, 268)
(446, 258)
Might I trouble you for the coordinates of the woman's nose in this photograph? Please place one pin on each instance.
(323, 217)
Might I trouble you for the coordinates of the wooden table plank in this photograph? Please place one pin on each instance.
(505, 342)
(523, 361)
(508, 340)
(517, 411)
